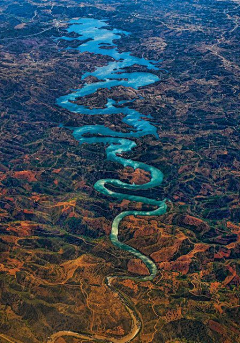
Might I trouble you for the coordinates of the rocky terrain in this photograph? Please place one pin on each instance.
(54, 227)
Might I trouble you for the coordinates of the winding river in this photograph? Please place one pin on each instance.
(97, 37)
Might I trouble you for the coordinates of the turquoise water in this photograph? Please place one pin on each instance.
(96, 34)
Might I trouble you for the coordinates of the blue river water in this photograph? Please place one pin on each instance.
(96, 37)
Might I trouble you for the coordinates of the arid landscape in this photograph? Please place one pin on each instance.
(56, 253)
